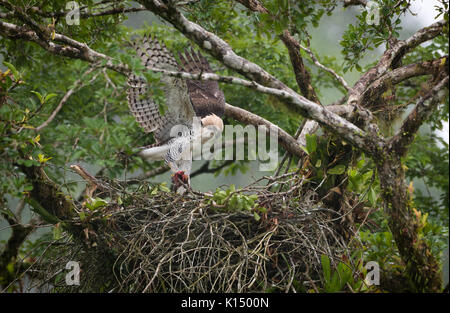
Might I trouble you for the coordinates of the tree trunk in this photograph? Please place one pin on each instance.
(421, 266)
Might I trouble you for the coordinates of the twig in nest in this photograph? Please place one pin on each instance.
(92, 182)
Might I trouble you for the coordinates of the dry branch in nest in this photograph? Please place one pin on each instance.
(151, 240)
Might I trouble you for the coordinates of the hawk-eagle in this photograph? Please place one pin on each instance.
(187, 101)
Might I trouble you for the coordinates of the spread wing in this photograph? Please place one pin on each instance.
(206, 96)
(179, 107)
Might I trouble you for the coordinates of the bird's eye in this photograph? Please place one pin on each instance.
(180, 134)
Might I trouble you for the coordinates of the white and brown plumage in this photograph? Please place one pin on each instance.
(186, 100)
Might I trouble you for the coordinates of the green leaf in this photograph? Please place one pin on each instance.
(326, 267)
(57, 231)
(94, 204)
(49, 96)
(372, 197)
(337, 170)
(12, 68)
(41, 99)
(311, 143)
(304, 149)
(318, 163)
(163, 187)
(334, 284)
(345, 274)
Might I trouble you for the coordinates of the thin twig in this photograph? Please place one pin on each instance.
(76, 86)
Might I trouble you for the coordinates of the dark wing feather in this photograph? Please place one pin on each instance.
(206, 96)
(144, 110)
(179, 107)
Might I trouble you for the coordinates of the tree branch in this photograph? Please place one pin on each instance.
(71, 48)
(42, 32)
(64, 99)
(348, 3)
(93, 182)
(421, 112)
(246, 117)
(86, 13)
(254, 5)
(397, 50)
(329, 70)
(379, 86)
(12, 246)
(309, 109)
(302, 75)
(204, 169)
(51, 200)
(217, 47)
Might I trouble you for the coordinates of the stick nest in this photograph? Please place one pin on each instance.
(150, 240)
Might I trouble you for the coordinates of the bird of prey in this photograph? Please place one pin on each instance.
(193, 110)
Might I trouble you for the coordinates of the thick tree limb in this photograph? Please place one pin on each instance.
(246, 117)
(348, 3)
(302, 75)
(53, 203)
(422, 268)
(70, 48)
(86, 13)
(358, 95)
(367, 86)
(379, 86)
